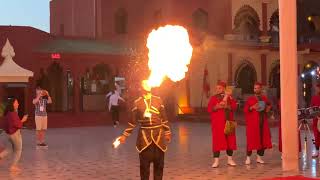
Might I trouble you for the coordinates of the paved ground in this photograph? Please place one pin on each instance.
(86, 153)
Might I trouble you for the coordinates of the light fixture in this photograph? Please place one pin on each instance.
(313, 72)
(309, 18)
(302, 75)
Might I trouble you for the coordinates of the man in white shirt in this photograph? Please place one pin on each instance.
(114, 106)
(41, 117)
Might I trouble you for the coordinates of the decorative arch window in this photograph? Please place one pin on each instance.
(245, 77)
(274, 77)
(314, 23)
(121, 21)
(308, 78)
(200, 19)
(274, 27)
(158, 17)
(247, 22)
(274, 21)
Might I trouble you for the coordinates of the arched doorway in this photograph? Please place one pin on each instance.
(95, 84)
(247, 22)
(43, 80)
(69, 90)
(274, 27)
(97, 80)
(246, 76)
(274, 78)
(200, 19)
(55, 86)
(309, 77)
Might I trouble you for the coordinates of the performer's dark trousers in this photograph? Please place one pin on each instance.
(152, 154)
(260, 152)
(115, 114)
(217, 153)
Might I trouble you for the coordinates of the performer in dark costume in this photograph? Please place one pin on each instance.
(154, 133)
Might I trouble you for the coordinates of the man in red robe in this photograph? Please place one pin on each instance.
(315, 101)
(221, 107)
(256, 111)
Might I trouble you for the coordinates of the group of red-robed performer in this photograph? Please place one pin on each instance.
(315, 101)
(257, 110)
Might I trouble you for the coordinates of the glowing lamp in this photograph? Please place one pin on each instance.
(55, 56)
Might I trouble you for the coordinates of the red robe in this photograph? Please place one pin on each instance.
(253, 129)
(315, 101)
(218, 120)
(280, 137)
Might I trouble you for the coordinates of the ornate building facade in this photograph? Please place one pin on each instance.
(237, 40)
(93, 42)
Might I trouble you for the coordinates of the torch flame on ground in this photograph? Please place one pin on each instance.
(170, 52)
(116, 143)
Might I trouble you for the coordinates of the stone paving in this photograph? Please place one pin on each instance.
(86, 153)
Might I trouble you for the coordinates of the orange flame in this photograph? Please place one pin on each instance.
(170, 52)
(116, 143)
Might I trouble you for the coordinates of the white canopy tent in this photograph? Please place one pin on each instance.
(10, 71)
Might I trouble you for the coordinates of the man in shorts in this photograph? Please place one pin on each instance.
(41, 117)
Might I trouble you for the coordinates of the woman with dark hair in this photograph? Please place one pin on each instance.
(12, 126)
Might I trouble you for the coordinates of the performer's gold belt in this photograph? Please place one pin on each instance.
(151, 127)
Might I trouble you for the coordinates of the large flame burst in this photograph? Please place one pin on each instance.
(170, 52)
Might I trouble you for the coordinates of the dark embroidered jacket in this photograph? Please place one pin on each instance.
(151, 129)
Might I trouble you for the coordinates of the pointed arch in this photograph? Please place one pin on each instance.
(245, 77)
(247, 22)
(200, 19)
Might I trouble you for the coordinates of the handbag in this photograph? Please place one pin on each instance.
(2, 109)
(229, 127)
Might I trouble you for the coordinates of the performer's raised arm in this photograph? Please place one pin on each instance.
(132, 123)
(165, 121)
